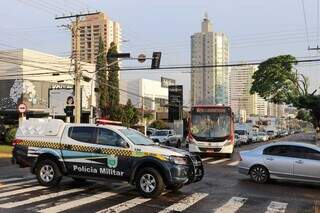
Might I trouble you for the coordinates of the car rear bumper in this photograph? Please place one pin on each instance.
(244, 171)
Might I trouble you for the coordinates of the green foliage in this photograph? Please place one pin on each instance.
(9, 136)
(113, 81)
(130, 115)
(312, 103)
(158, 124)
(101, 70)
(304, 115)
(275, 81)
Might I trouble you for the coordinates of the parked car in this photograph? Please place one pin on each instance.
(167, 137)
(262, 136)
(282, 160)
(243, 135)
(272, 134)
(253, 137)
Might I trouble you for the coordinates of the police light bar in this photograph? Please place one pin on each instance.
(105, 121)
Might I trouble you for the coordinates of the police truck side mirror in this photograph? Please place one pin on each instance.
(122, 143)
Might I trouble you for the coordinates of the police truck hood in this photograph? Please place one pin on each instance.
(162, 150)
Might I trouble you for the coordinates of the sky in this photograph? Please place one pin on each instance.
(257, 29)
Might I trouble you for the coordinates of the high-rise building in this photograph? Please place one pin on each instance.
(209, 85)
(240, 84)
(90, 29)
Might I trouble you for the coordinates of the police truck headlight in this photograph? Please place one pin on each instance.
(179, 160)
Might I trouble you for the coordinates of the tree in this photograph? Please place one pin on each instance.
(102, 77)
(158, 124)
(113, 82)
(276, 81)
(130, 115)
(304, 115)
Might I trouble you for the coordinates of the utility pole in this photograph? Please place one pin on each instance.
(77, 71)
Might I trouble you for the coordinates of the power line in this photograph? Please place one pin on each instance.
(305, 22)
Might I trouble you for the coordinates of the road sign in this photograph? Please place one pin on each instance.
(22, 108)
(142, 58)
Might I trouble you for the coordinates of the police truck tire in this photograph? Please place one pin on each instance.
(48, 173)
(149, 182)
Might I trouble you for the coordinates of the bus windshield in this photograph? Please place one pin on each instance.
(210, 126)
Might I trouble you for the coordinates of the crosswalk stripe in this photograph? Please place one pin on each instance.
(234, 163)
(11, 179)
(233, 205)
(16, 184)
(20, 191)
(219, 161)
(125, 205)
(39, 198)
(277, 207)
(80, 202)
(185, 203)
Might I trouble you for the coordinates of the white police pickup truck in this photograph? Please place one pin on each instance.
(52, 149)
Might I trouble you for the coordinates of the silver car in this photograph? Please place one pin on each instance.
(282, 160)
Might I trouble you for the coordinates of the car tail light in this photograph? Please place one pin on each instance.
(16, 141)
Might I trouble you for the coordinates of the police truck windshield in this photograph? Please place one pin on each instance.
(136, 137)
(210, 126)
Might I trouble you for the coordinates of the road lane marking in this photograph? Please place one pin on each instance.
(125, 205)
(12, 179)
(219, 161)
(20, 191)
(80, 202)
(16, 184)
(277, 207)
(185, 203)
(233, 205)
(234, 163)
(39, 198)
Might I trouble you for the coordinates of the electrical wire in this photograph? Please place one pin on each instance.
(305, 22)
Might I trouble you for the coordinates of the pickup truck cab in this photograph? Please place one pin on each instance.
(53, 149)
(167, 137)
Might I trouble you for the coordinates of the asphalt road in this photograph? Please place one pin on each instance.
(222, 190)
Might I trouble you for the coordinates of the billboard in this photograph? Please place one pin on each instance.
(175, 102)
(58, 100)
(166, 82)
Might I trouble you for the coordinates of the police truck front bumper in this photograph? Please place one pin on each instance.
(186, 174)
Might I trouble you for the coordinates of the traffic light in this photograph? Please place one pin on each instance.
(156, 58)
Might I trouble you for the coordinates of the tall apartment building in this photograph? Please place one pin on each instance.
(240, 84)
(91, 28)
(209, 85)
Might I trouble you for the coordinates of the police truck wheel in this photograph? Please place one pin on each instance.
(48, 173)
(149, 182)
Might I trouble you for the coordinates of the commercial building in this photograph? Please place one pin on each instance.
(91, 29)
(209, 85)
(41, 81)
(243, 103)
(155, 97)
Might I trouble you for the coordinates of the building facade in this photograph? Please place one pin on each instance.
(209, 85)
(90, 30)
(242, 102)
(41, 81)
